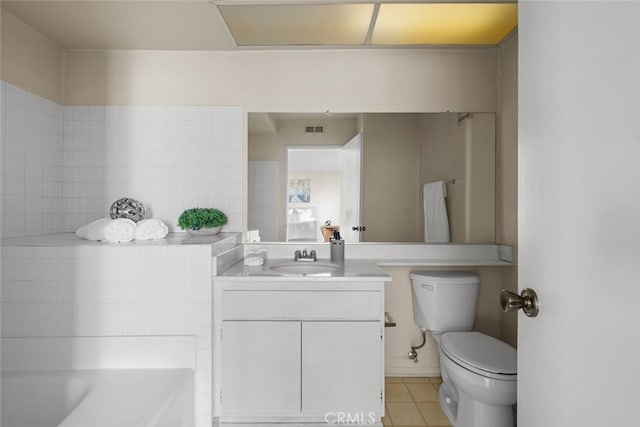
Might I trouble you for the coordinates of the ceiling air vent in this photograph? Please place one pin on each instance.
(314, 129)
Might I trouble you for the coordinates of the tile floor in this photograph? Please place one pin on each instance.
(413, 402)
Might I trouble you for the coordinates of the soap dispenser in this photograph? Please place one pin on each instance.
(337, 247)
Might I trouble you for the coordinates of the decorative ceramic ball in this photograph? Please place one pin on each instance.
(127, 208)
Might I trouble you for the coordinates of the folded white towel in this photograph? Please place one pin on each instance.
(151, 229)
(108, 230)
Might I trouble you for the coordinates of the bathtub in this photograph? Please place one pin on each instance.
(112, 392)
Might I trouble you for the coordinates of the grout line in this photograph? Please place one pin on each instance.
(415, 403)
(422, 416)
(420, 413)
(387, 414)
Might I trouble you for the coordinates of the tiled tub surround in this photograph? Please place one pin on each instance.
(63, 166)
(169, 158)
(32, 163)
(80, 288)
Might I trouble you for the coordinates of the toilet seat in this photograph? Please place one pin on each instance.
(481, 354)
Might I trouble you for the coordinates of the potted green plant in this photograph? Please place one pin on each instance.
(202, 221)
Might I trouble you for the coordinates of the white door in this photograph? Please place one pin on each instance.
(260, 368)
(351, 170)
(579, 213)
(342, 368)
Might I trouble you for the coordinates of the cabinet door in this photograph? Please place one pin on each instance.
(260, 368)
(342, 368)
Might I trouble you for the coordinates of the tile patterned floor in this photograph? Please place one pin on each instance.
(413, 402)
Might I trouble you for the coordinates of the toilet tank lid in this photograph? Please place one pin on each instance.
(451, 277)
(480, 351)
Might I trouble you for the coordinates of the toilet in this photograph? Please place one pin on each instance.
(479, 373)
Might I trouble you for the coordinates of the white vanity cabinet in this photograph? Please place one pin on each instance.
(260, 367)
(341, 367)
(298, 350)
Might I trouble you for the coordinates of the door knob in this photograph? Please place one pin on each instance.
(527, 301)
(359, 228)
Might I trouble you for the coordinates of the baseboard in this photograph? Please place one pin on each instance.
(404, 371)
(286, 422)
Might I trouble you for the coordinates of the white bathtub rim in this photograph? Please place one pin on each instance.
(113, 397)
(96, 353)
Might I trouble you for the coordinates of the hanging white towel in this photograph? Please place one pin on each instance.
(108, 230)
(151, 229)
(436, 223)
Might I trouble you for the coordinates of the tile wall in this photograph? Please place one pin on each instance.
(63, 167)
(263, 195)
(32, 163)
(111, 290)
(169, 158)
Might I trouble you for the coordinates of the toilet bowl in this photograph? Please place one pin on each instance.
(479, 373)
(483, 372)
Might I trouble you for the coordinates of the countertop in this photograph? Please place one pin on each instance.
(403, 254)
(70, 239)
(349, 270)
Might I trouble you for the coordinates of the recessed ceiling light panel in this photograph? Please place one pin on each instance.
(444, 23)
(299, 24)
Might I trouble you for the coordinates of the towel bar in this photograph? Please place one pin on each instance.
(388, 320)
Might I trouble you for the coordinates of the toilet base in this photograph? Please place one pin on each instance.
(448, 403)
(473, 413)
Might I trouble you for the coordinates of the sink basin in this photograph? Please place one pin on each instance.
(305, 268)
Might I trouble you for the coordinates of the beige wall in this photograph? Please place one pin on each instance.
(372, 80)
(443, 156)
(390, 196)
(30, 60)
(404, 151)
(507, 173)
(480, 178)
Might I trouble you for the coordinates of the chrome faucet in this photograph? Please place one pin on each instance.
(304, 256)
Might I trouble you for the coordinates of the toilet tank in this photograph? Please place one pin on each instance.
(445, 301)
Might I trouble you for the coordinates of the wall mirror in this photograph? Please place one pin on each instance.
(364, 175)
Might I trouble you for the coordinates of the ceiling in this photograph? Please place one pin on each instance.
(271, 122)
(308, 160)
(260, 24)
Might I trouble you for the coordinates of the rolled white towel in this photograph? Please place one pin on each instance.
(108, 230)
(151, 229)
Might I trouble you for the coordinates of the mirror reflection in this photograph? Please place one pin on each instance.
(372, 177)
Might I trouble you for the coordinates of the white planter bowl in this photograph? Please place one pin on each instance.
(204, 231)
